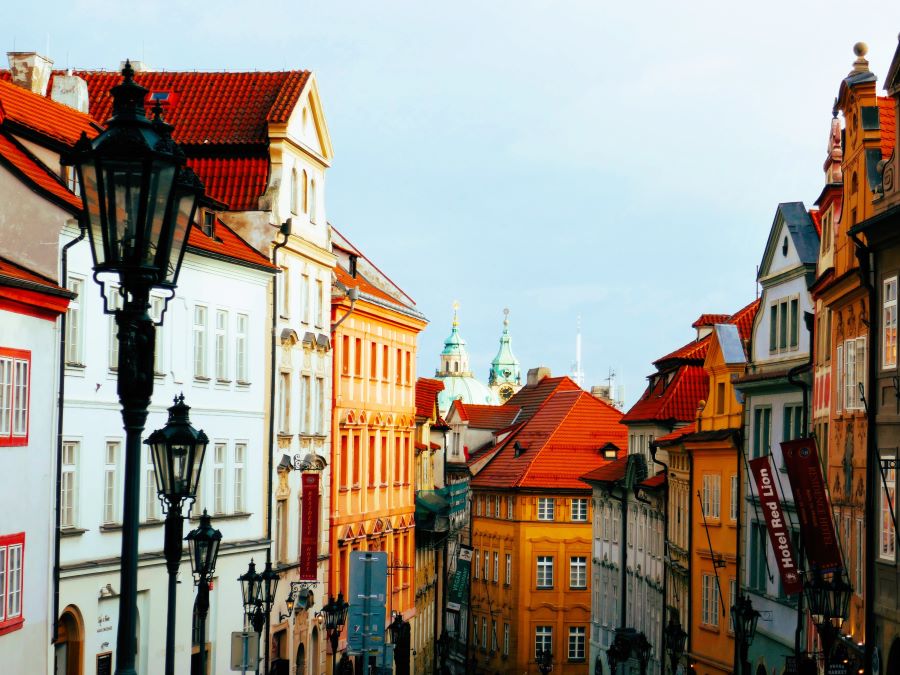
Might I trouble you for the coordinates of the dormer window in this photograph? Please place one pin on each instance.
(208, 223)
(70, 176)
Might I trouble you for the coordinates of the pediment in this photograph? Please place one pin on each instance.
(306, 124)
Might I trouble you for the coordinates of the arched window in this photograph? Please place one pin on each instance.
(305, 188)
(312, 201)
(294, 191)
(456, 366)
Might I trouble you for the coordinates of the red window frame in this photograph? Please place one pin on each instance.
(11, 438)
(7, 625)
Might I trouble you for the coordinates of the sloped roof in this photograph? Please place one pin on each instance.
(11, 270)
(557, 445)
(888, 124)
(18, 159)
(675, 402)
(494, 417)
(228, 244)
(530, 397)
(236, 181)
(44, 116)
(677, 435)
(22, 289)
(802, 229)
(426, 396)
(210, 108)
(710, 320)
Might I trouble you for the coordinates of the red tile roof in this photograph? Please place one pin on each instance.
(655, 481)
(710, 320)
(675, 402)
(530, 397)
(494, 417)
(426, 396)
(362, 284)
(44, 116)
(210, 108)
(25, 292)
(676, 435)
(237, 181)
(18, 159)
(227, 243)
(816, 216)
(16, 271)
(558, 444)
(887, 123)
(608, 473)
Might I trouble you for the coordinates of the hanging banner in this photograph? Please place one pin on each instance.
(309, 527)
(777, 525)
(801, 459)
(459, 585)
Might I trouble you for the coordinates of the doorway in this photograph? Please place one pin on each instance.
(69, 648)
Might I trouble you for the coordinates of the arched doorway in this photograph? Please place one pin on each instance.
(300, 661)
(893, 662)
(314, 655)
(69, 648)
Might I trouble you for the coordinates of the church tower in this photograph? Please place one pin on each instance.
(505, 378)
(459, 383)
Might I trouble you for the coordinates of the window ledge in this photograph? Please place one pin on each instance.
(201, 378)
(223, 382)
(71, 531)
(239, 515)
(14, 624)
(709, 629)
(543, 588)
(242, 383)
(343, 489)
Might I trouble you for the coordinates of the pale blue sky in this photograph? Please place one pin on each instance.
(621, 161)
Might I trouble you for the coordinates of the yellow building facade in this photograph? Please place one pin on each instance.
(373, 427)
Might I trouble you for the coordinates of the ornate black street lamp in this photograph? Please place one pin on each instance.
(744, 619)
(204, 549)
(545, 661)
(676, 637)
(268, 585)
(334, 614)
(629, 643)
(251, 595)
(400, 638)
(829, 604)
(139, 203)
(177, 451)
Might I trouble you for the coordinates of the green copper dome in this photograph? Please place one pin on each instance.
(459, 383)
(505, 366)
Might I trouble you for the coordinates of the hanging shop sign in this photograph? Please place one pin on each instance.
(459, 585)
(309, 531)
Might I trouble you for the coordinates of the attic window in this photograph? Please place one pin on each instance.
(208, 223)
(784, 247)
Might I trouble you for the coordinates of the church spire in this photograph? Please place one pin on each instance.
(505, 376)
(455, 356)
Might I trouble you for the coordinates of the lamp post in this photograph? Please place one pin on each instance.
(139, 203)
(629, 643)
(545, 661)
(829, 602)
(675, 641)
(177, 451)
(204, 549)
(251, 590)
(335, 614)
(744, 619)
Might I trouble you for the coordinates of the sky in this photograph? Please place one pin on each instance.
(617, 162)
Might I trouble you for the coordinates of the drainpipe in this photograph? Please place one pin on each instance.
(285, 230)
(61, 379)
(867, 275)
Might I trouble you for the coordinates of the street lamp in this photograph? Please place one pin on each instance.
(629, 643)
(139, 203)
(829, 605)
(268, 585)
(675, 641)
(204, 549)
(335, 614)
(545, 661)
(744, 619)
(177, 451)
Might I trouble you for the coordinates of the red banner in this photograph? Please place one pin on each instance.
(309, 527)
(801, 458)
(777, 525)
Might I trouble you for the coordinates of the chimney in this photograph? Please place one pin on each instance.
(138, 66)
(535, 375)
(30, 71)
(70, 90)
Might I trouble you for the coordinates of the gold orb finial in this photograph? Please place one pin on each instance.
(455, 311)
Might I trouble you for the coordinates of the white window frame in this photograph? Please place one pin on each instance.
(578, 572)
(241, 348)
(68, 504)
(496, 567)
(239, 476)
(887, 536)
(114, 301)
(151, 499)
(544, 576)
(12, 587)
(157, 306)
(111, 482)
(577, 640)
(508, 568)
(709, 600)
(306, 404)
(889, 323)
(505, 639)
(319, 304)
(712, 495)
(839, 379)
(284, 403)
(733, 512)
(74, 323)
(543, 640)
(477, 563)
(220, 485)
(854, 372)
(579, 510)
(546, 508)
(201, 353)
(222, 374)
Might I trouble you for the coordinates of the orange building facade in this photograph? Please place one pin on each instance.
(373, 426)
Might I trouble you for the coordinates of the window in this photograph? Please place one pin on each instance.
(357, 358)
(509, 508)
(710, 600)
(284, 404)
(111, 483)
(320, 406)
(74, 356)
(762, 431)
(157, 305)
(487, 564)
(580, 510)
(313, 215)
(295, 192)
(545, 571)
(200, 341)
(508, 568)
(384, 362)
(69, 484)
(732, 600)
(496, 506)
(15, 380)
(860, 546)
(733, 513)
(839, 378)
(543, 640)
(152, 494)
(506, 639)
(784, 325)
(477, 563)
(208, 226)
(496, 567)
(240, 349)
(887, 501)
(854, 374)
(373, 360)
(793, 422)
(114, 301)
(285, 299)
(240, 455)
(280, 530)
(318, 304)
(219, 477)
(399, 364)
(576, 643)
(720, 398)
(712, 488)
(306, 403)
(493, 636)
(370, 469)
(546, 507)
(757, 563)
(304, 183)
(222, 345)
(578, 572)
(889, 324)
(12, 551)
(484, 632)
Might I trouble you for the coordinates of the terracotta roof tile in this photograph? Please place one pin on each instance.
(236, 181)
(227, 243)
(710, 320)
(494, 417)
(210, 108)
(816, 216)
(16, 271)
(426, 396)
(608, 473)
(655, 481)
(888, 124)
(676, 435)
(673, 402)
(44, 116)
(557, 445)
(530, 397)
(33, 172)
(362, 284)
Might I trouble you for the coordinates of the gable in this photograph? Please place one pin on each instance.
(306, 123)
(793, 241)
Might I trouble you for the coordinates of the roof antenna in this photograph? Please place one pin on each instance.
(577, 372)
